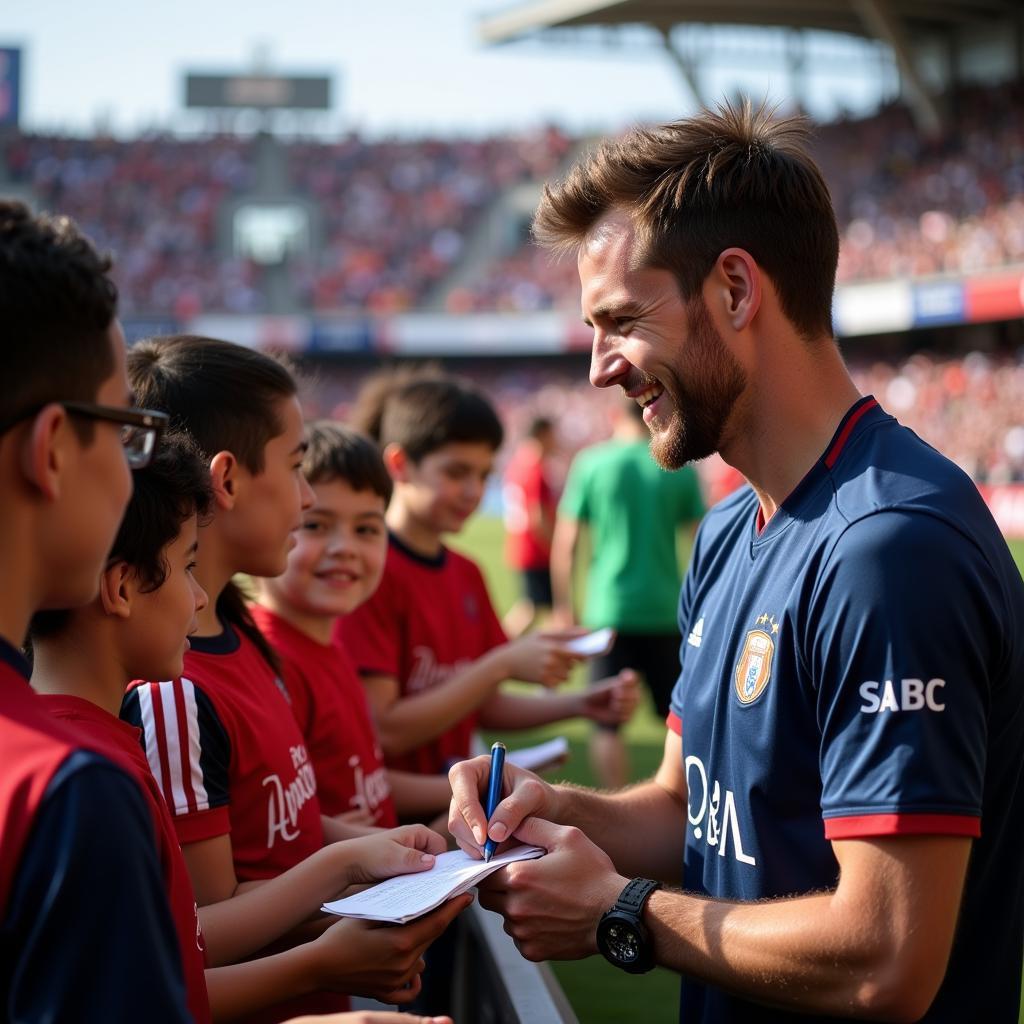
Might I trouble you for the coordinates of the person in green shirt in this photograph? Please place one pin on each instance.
(632, 510)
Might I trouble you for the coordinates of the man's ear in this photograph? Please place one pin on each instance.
(737, 287)
(43, 454)
(397, 461)
(117, 590)
(224, 478)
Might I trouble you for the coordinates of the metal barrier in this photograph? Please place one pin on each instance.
(494, 984)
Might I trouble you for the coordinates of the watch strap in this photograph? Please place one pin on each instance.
(633, 897)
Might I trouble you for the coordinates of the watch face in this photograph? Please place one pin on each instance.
(622, 942)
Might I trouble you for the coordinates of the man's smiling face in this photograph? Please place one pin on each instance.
(664, 353)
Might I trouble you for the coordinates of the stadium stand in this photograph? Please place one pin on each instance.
(909, 205)
(394, 216)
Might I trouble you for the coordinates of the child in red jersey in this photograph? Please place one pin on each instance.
(428, 644)
(138, 626)
(84, 925)
(335, 566)
(221, 739)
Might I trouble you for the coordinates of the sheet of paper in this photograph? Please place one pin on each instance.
(592, 644)
(405, 897)
(539, 756)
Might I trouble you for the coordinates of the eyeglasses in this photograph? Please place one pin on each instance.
(140, 428)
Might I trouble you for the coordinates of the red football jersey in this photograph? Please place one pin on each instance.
(331, 708)
(430, 617)
(34, 746)
(119, 742)
(229, 756)
(526, 487)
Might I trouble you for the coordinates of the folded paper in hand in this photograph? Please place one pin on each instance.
(540, 756)
(592, 644)
(405, 897)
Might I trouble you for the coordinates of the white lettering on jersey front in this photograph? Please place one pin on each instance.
(426, 672)
(285, 802)
(913, 695)
(696, 634)
(371, 789)
(721, 834)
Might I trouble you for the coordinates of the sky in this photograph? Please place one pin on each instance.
(408, 67)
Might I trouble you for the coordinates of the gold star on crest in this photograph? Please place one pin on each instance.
(775, 626)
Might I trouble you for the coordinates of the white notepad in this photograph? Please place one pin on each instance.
(541, 755)
(592, 644)
(404, 897)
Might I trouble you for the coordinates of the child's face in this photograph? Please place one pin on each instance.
(162, 619)
(339, 555)
(445, 488)
(271, 502)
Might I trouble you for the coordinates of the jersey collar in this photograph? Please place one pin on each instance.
(864, 411)
(431, 561)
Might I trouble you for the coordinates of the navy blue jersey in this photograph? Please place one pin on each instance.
(855, 669)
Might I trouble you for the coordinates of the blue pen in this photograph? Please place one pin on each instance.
(494, 791)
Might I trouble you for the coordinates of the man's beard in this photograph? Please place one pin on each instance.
(703, 393)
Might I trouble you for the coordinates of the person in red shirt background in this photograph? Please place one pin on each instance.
(335, 566)
(530, 502)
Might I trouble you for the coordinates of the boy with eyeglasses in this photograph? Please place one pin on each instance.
(76, 842)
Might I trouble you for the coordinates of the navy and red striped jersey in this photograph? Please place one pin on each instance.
(430, 618)
(119, 742)
(224, 746)
(854, 668)
(76, 849)
(330, 705)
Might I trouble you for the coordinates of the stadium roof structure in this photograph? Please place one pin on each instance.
(894, 22)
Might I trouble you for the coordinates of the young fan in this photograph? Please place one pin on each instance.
(428, 644)
(221, 739)
(138, 627)
(335, 566)
(76, 843)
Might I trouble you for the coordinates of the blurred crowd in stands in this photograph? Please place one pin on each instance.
(395, 215)
(153, 203)
(969, 407)
(393, 218)
(908, 206)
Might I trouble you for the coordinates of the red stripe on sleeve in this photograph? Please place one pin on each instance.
(833, 455)
(183, 745)
(675, 723)
(160, 728)
(864, 825)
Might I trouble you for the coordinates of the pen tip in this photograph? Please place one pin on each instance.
(487, 856)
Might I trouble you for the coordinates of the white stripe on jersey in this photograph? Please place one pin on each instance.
(178, 799)
(149, 733)
(195, 747)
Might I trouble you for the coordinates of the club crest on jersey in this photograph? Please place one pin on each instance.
(754, 669)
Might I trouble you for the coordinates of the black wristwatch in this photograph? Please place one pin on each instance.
(621, 935)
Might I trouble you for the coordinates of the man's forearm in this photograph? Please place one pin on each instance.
(642, 828)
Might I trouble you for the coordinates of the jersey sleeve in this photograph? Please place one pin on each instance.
(574, 504)
(675, 720)
(372, 634)
(189, 753)
(901, 631)
(90, 862)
